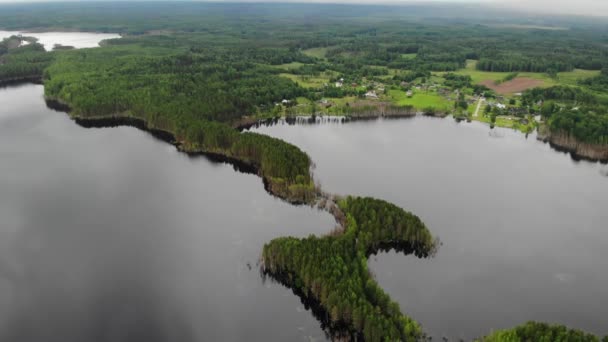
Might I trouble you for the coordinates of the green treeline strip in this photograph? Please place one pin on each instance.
(541, 332)
(333, 269)
(529, 64)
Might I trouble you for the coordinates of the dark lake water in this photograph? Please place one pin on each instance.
(524, 227)
(111, 235)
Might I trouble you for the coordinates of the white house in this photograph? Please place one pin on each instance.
(371, 94)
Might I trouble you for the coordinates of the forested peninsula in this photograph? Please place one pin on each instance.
(194, 75)
(332, 271)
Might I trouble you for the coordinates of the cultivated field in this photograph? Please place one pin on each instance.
(516, 85)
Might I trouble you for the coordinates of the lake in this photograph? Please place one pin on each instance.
(78, 40)
(523, 226)
(112, 235)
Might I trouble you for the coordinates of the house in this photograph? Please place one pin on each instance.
(409, 93)
(371, 94)
(325, 103)
(443, 92)
(405, 84)
(501, 106)
(339, 84)
(285, 102)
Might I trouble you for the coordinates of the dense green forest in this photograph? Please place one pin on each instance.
(541, 332)
(333, 269)
(19, 61)
(578, 112)
(191, 93)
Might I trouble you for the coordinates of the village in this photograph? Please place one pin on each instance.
(423, 96)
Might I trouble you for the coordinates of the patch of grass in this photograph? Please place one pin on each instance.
(420, 100)
(566, 78)
(479, 76)
(289, 66)
(409, 55)
(307, 81)
(316, 52)
(508, 122)
(436, 79)
(572, 77)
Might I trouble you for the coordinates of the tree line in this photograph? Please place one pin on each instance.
(541, 332)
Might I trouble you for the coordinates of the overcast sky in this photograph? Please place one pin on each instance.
(577, 7)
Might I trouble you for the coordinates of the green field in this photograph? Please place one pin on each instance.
(420, 100)
(567, 78)
(320, 52)
(307, 81)
(289, 66)
(479, 76)
(572, 77)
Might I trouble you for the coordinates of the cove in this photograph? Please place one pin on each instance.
(522, 225)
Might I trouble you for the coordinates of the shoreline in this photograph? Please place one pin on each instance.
(16, 81)
(578, 151)
(168, 137)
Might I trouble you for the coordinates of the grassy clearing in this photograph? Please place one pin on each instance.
(479, 76)
(565, 78)
(420, 100)
(289, 66)
(316, 52)
(505, 121)
(572, 77)
(409, 55)
(307, 81)
(307, 107)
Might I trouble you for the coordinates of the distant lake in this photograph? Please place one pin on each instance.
(523, 226)
(78, 40)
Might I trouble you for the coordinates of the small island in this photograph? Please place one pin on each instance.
(331, 272)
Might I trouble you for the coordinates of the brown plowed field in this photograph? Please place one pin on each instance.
(516, 85)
